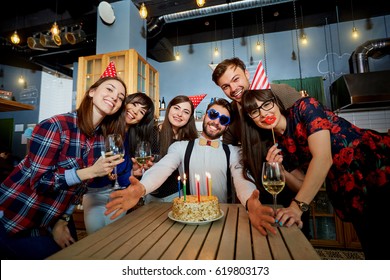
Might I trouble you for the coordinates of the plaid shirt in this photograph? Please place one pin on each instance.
(35, 194)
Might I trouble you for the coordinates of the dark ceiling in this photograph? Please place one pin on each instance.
(165, 27)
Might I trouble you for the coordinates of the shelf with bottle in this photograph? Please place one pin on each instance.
(161, 105)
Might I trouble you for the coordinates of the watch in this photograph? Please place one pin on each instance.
(65, 218)
(302, 205)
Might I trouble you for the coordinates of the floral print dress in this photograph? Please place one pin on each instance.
(360, 156)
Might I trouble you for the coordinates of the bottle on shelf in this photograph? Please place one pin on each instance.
(163, 103)
(159, 103)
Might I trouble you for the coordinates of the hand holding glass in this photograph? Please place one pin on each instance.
(143, 154)
(114, 146)
(273, 179)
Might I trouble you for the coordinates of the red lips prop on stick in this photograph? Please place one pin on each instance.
(271, 120)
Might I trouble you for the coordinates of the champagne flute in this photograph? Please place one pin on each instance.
(273, 180)
(114, 146)
(143, 153)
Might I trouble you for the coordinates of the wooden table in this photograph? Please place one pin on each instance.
(148, 234)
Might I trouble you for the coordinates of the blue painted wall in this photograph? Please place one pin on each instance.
(325, 55)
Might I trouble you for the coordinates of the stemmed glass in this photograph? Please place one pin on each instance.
(143, 153)
(273, 180)
(114, 146)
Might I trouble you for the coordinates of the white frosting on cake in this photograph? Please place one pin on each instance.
(193, 211)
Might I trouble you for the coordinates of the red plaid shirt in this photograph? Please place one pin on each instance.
(35, 194)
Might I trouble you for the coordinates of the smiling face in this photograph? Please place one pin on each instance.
(108, 97)
(266, 115)
(233, 82)
(212, 129)
(179, 114)
(134, 113)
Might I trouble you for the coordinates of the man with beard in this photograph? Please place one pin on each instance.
(232, 77)
(208, 155)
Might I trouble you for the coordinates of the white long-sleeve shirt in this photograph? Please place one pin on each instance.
(203, 159)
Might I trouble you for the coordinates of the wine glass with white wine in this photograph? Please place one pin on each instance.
(273, 180)
(114, 146)
(143, 153)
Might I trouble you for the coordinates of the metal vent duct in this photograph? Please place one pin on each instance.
(155, 25)
(373, 48)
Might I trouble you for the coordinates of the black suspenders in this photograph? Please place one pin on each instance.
(187, 156)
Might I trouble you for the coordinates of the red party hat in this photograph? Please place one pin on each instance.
(196, 99)
(110, 71)
(260, 80)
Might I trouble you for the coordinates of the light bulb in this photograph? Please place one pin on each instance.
(177, 55)
(200, 3)
(355, 33)
(21, 80)
(143, 12)
(304, 39)
(15, 39)
(258, 45)
(55, 30)
(216, 51)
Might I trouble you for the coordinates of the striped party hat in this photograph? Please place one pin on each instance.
(260, 80)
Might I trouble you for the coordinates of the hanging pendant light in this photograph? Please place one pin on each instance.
(143, 12)
(258, 44)
(15, 39)
(216, 51)
(21, 80)
(55, 30)
(354, 29)
(200, 3)
(177, 54)
(302, 32)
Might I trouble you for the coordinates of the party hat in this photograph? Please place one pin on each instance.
(260, 80)
(110, 71)
(196, 99)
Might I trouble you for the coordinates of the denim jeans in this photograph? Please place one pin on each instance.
(28, 247)
(94, 205)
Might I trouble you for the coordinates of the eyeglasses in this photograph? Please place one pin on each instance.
(213, 114)
(266, 106)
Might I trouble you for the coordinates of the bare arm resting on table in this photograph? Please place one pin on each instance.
(320, 148)
(261, 216)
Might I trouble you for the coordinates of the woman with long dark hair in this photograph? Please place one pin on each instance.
(178, 125)
(354, 162)
(138, 116)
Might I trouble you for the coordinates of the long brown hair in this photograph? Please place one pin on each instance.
(111, 123)
(255, 141)
(186, 132)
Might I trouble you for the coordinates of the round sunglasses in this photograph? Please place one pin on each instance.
(213, 114)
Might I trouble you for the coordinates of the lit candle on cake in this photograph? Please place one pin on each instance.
(185, 187)
(178, 185)
(208, 183)
(197, 178)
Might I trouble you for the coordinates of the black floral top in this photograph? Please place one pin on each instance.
(360, 156)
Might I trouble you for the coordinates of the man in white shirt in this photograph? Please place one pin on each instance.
(203, 159)
(208, 155)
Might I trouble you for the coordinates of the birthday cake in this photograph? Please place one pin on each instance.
(192, 210)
